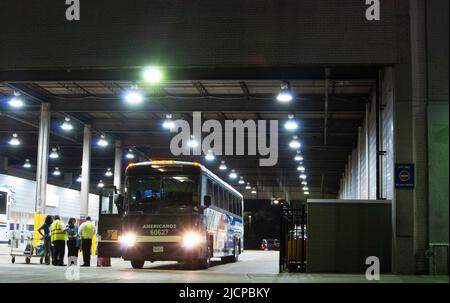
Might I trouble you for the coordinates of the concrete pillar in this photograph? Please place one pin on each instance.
(367, 149)
(118, 164)
(420, 146)
(42, 159)
(85, 171)
(410, 144)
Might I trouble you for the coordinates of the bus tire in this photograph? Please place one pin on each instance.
(137, 263)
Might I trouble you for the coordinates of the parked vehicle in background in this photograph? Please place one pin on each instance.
(270, 244)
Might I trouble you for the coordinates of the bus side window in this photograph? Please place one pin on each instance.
(209, 189)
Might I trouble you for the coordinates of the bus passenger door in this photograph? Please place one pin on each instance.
(109, 223)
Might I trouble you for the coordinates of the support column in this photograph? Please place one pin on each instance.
(118, 165)
(42, 159)
(85, 171)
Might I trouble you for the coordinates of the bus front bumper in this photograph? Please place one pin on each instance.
(162, 252)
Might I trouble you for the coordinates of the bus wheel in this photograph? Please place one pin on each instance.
(235, 256)
(137, 263)
(205, 262)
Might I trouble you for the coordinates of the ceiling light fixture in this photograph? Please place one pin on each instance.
(14, 140)
(192, 142)
(222, 165)
(16, 101)
(294, 143)
(168, 123)
(133, 96)
(152, 75)
(102, 141)
(54, 153)
(27, 163)
(56, 172)
(130, 154)
(108, 172)
(284, 95)
(291, 124)
(67, 126)
(233, 174)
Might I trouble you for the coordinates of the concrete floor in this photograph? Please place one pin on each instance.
(253, 266)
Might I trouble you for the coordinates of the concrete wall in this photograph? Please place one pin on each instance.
(438, 130)
(342, 234)
(23, 206)
(359, 179)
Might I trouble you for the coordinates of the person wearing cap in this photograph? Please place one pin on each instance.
(86, 232)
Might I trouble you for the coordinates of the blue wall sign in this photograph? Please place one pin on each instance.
(404, 175)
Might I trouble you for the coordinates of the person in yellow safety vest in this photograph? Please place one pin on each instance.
(86, 232)
(58, 235)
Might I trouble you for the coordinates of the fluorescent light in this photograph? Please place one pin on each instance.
(291, 124)
(285, 95)
(168, 123)
(222, 165)
(56, 172)
(294, 143)
(27, 163)
(67, 126)
(102, 141)
(233, 174)
(54, 154)
(108, 172)
(152, 75)
(14, 140)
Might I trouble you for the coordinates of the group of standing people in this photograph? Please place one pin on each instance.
(56, 235)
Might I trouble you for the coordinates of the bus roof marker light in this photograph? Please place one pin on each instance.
(291, 124)
(14, 140)
(285, 94)
(67, 126)
(16, 101)
(54, 154)
(27, 163)
(168, 123)
(222, 165)
(233, 174)
(294, 143)
(102, 141)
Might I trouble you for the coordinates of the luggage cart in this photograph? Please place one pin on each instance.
(22, 246)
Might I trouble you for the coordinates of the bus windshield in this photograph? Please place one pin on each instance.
(163, 194)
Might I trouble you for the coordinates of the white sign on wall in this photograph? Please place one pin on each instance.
(52, 200)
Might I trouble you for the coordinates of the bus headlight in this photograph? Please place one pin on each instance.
(128, 239)
(191, 239)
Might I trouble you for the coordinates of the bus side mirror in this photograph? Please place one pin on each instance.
(207, 201)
